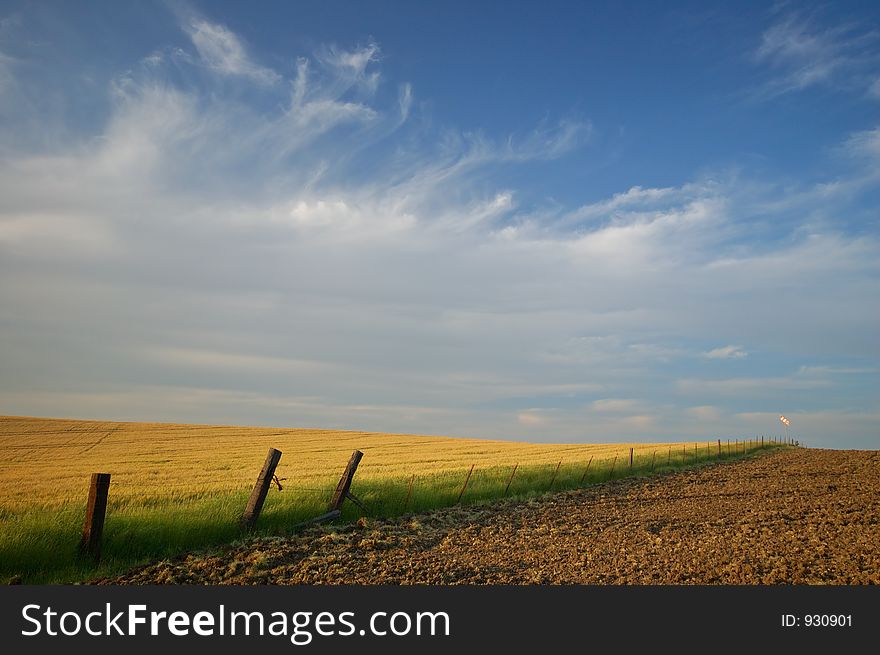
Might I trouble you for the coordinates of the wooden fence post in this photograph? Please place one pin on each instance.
(261, 488)
(553, 479)
(669, 457)
(409, 491)
(464, 486)
(653, 457)
(611, 473)
(719, 448)
(342, 489)
(93, 528)
(586, 470)
(630, 459)
(510, 479)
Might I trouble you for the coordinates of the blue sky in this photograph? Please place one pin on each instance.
(543, 221)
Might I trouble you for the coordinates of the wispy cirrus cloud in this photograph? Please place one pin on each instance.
(801, 55)
(318, 253)
(223, 51)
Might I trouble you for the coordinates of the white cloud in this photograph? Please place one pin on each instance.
(307, 264)
(405, 100)
(863, 144)
(223, 52)
(754, 387)
(804, 56)
(836, 370)
(39, 233)
(726, 352)
(530, 419)
(614, 405)
(353, 62)
(708, 413)
(633, 197)
(319, 116)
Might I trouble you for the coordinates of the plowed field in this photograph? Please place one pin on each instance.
(796, 516)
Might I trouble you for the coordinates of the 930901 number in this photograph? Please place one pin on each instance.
(827, 620)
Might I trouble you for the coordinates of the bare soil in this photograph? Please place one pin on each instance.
(796, 516)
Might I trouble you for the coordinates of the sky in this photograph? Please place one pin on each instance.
(547, 221)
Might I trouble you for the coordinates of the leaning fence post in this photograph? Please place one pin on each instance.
(464, 486)
(553, 479)
(342, 489)
(409, 491)
(611, 473)
(510, 479)
(261, 488)
(93, 528)
(586, 470)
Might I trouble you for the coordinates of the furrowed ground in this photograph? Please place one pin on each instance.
(795, 516)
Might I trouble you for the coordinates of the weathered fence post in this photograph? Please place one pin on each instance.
(510, 479)
(261, 488)
(553, 479)
(586, 470)
(342, 489)
(719, 448)
(409, 491)
(630, 459)
(464, 486)
(653, 457)
(93, 528)
(669, 457)
(611, 473)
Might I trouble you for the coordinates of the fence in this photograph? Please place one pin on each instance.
(530, 479)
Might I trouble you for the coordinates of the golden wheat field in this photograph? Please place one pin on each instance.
(48, 461)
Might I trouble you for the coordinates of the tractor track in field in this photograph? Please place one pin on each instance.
(794, 516)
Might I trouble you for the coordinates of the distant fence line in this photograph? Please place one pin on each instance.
(99, 486)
